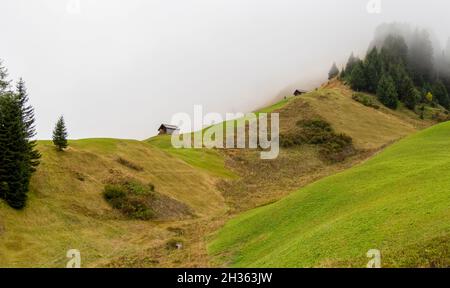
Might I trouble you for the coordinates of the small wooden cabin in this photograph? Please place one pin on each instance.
(299, 92)
(166, 129)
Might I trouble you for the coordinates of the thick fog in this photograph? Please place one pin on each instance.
(119, 68)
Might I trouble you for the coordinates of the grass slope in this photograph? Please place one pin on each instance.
(370, 128)
(66, 209)
(278, 105)
(206, 159)
(397, 202)
(263, 181)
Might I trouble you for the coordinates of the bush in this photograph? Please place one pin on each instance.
(137, 188)
(315, 124)
(289, 140)
(333, 147)
(316, 131)
(137, 208)
(131, 198)
(338, 148)
(412, 98)
(365, 100)
(114, 192)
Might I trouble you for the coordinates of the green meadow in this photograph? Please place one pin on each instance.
(397, 202)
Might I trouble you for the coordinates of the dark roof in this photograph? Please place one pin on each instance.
(301, 91)
(167, 126)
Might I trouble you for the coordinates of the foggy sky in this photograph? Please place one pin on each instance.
(119, 68)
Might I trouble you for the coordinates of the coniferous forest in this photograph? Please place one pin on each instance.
(401, 65)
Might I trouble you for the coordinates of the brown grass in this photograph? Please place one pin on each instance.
(65, 212)
(129, 164)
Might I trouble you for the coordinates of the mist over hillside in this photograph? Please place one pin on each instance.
(418, 38)
(142, 61)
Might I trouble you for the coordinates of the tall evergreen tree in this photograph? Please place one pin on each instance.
(358, 80)
(397, 49)
(4, 83)
(385, 60)
(412, 98)
(16, 171)
(18, 156)
(386, 92)
(373, 70)
(440, 94)
(334, 71)
(420, 58)
(27, 113)
(60, 134)
(402, 81)
(351, 62)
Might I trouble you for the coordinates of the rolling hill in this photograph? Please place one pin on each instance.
(66, 208)
(198, 189)
(370, 129)
(397, 202)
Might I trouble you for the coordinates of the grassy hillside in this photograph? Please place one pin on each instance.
(371, 130)
(206, 159)
(397, 202)
(66, 208)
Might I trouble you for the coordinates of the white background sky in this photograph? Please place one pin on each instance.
(119, 68)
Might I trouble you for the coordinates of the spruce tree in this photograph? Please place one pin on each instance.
(420, 60)
(18, 156)
(342, 74)
(16, 171)
(373, 68)
(334, 71)
(412, 98)
(396, 48)
(27, 113)
(386, 92)
(352, 60)
(440, 94)
(60, 135)
(4, 83)
(403, 82)
(358, 78)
